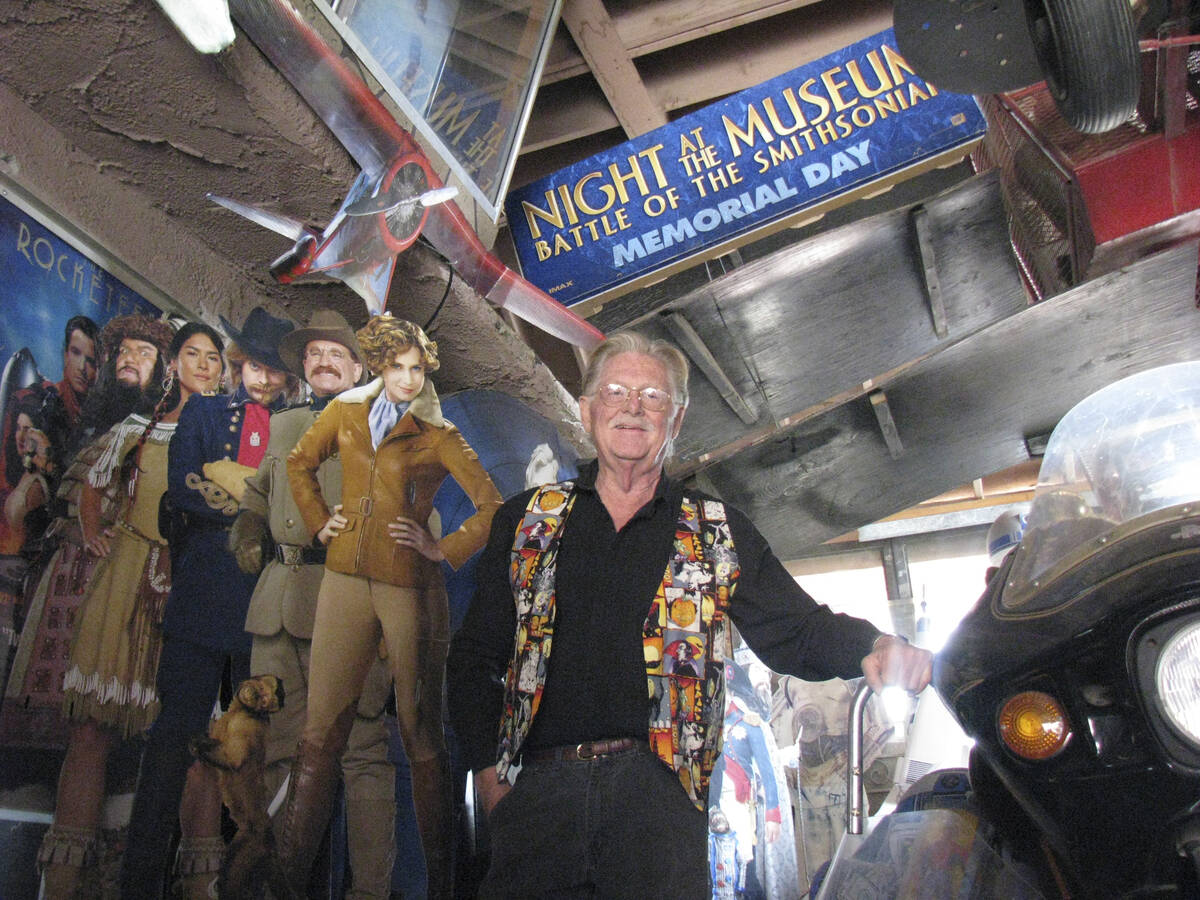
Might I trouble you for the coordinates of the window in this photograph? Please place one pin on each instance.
(464, 71)
(850, 583)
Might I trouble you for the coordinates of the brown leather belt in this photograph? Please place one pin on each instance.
(586, 751)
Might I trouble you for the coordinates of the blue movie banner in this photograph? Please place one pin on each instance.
(44, 281)
(856, 116)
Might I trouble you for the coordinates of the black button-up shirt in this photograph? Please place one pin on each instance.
(605, 582)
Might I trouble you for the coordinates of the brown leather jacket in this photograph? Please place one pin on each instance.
(400, 477)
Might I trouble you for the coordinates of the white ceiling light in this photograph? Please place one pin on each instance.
(204, 23)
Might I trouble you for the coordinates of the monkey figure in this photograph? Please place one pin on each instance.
(235, 745)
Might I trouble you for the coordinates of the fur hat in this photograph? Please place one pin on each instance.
(259, 338)
(325, 325)
(137, 327)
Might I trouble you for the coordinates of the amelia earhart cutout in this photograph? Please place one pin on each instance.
(382, 580)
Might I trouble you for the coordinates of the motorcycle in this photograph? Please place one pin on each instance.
(1077, 674)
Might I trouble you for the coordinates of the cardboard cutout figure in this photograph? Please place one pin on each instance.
(382, 581)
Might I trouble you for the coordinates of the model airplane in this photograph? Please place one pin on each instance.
(395, 198)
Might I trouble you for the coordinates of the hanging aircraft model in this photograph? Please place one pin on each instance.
(396, 197)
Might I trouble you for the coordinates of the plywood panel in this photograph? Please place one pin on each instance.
(966, 411)
(811, 324)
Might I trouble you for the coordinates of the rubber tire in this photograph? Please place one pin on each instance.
(1088, 51)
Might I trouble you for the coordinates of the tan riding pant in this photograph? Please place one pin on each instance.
(365, 765)
(353, 614)
(369, 775)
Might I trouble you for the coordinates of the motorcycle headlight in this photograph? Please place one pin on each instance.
(1177, 678)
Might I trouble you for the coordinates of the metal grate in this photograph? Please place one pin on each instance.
(1039, 157)
(1041, 199)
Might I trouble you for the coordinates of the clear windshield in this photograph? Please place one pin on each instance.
(1127, 450)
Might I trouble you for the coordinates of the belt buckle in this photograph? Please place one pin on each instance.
(289, 554)
(579, 751)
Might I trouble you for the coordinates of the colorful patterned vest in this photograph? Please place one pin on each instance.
(686, 636)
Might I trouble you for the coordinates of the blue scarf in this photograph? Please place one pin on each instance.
(383, 418)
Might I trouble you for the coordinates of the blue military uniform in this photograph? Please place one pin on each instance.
(203, 626)
(209, 593)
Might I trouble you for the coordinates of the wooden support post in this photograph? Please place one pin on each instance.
(595, 34)
(898, 580)
(887, 424)
(1171, 75)
(693, 345)
(933, 286)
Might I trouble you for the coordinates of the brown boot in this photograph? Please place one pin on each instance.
(197, 863)
(433, 804)
(63, 854)
(314, 780)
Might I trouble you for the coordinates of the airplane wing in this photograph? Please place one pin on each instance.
(289, 228)
(447, 229)
(335, 93)
(375, 139)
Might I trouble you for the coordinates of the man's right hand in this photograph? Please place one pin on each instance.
(246, 539)
(490, 789)
(228, 475)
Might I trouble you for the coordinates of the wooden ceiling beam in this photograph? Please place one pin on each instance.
(566, 112)
(707, 70)
(684, 76)
(644, 28)
(598, 41)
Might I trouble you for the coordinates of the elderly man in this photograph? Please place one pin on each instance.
(218, 442)
(270, 528)
(636, 579)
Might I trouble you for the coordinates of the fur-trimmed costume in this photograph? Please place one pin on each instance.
(114, 654)
(373, 588)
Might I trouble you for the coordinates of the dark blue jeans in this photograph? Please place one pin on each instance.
(615, 827)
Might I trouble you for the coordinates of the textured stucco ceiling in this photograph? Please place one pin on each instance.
(150, 126)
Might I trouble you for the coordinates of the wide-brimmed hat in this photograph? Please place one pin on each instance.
(137, 327)
(325, 325)
(259, 338)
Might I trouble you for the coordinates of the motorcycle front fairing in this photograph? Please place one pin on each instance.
(1097, 608)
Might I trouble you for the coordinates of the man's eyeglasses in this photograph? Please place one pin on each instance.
(652, 398)
(315, 355)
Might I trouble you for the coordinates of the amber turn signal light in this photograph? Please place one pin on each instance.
(1033, 725)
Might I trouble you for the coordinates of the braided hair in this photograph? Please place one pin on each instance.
(170, 397)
